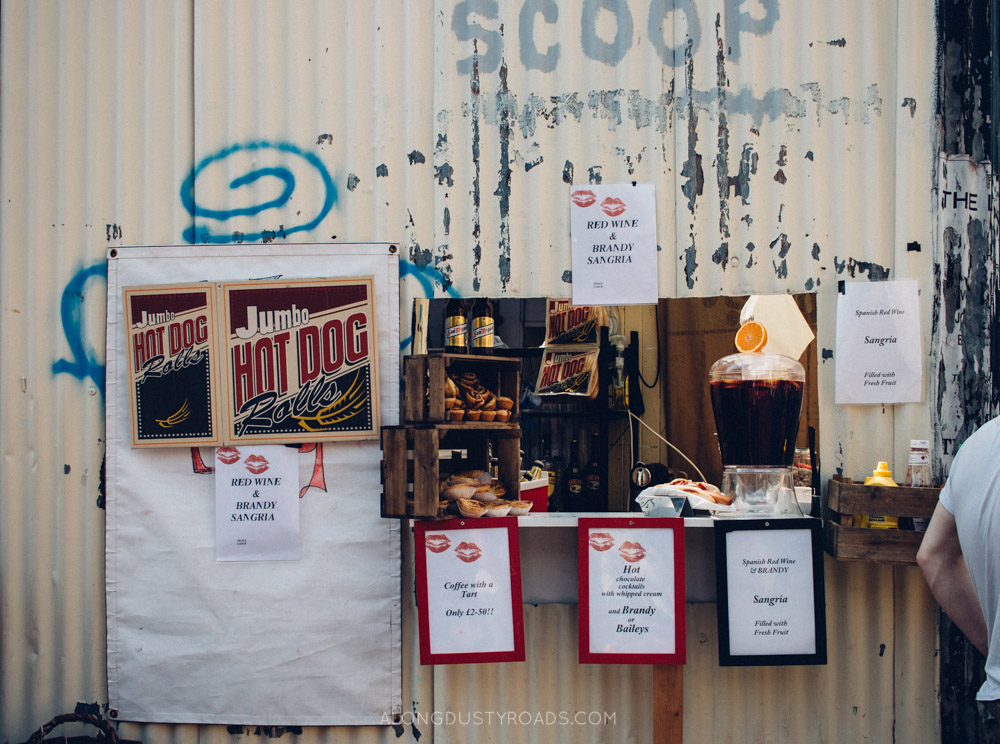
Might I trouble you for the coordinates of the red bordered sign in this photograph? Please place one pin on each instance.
(468, 574)
(631, 590)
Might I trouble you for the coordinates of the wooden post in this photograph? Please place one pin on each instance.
(668, 704)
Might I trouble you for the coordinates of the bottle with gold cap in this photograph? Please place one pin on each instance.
(881, 476)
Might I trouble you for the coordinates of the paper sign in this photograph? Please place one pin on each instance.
(631, 592)
(613, 231)
(257, 504)
(771, 602)
(878, 356)
(170, 352)
(469, 591)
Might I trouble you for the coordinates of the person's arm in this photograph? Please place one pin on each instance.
(943, 566)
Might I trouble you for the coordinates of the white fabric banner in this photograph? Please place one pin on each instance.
(310, 642)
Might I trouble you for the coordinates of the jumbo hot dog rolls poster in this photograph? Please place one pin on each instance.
(170, 333)
(300, 360)
(268, 362)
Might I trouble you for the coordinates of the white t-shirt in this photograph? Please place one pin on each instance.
(972, 496)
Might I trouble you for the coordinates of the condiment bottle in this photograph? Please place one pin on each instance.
(918, 472)
(482, 326)
(456, 327)
(881, 476)
(918, 469)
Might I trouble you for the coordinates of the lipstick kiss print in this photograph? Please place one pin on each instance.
(256, 464)
(612, 206)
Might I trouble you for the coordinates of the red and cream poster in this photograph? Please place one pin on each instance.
(300, 360)
(469, 591)
(631, 590)
(294, 361)
(170, 333)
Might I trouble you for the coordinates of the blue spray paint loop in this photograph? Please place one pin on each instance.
(83, 364)
(283, 173)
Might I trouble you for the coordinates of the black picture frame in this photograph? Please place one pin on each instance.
(733, 613)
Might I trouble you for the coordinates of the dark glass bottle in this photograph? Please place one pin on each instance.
(575, 498)
(456, 327)
(481, 326)
(593, 487)
(548, 467)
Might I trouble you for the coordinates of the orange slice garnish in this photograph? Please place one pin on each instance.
(751, 336)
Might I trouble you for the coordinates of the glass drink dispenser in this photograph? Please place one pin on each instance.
(757, 402)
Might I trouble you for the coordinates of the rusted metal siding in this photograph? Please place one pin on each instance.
(792, 145)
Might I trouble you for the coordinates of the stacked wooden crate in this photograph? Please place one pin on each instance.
(416, 455)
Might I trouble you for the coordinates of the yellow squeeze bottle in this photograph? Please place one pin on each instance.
(881, 476)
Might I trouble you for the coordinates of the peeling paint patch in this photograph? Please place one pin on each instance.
(532, 157)
(415, 157)
(815, 251)
(690, 259)
(382, 171)
(911, 104)
(691, 170)
(605, 105)
(741, 184)
(477, 248)
(594, 174)
(567, 276)
(854, 268)
(837, 42)
(352, 181)
(419, 257)
(444, 174)
(567, 173)
(721, 255)
(872, 102)
(827, 355)
(779, 177)
(324, 139)
(505, 104)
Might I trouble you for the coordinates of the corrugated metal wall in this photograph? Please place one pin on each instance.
(792, 145)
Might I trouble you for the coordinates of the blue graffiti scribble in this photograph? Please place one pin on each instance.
(204, 234)
(83, 365)
(427, 276)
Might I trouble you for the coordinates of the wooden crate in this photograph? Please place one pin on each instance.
(424, 380)
(412, 464)
(848, 543)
